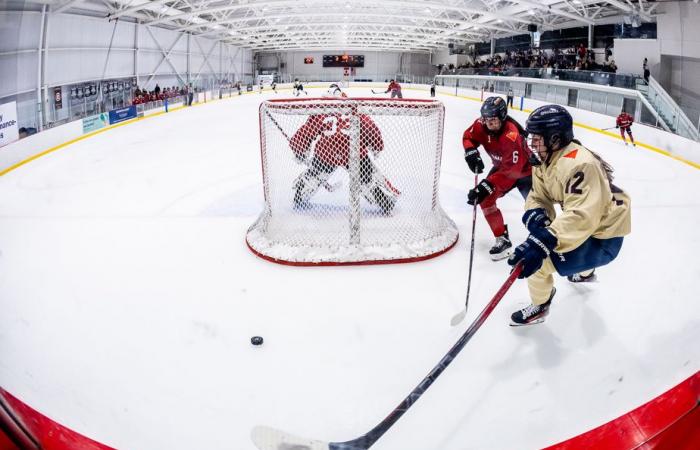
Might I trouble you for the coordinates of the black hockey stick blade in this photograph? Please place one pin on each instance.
(266, 438)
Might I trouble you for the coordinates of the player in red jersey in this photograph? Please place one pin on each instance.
(395, 89)
(504, 141)
(624, 122)
(323, 144)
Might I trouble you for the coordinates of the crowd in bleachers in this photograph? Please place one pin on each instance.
(142, 96)
(573, 58)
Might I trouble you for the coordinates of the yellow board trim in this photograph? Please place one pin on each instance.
(111, 127)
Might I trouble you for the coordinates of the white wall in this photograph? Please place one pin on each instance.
(678, 28)
(378, 65)
(77, 52)
(679, 36)
(629, 55)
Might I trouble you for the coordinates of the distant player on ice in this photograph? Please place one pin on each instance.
(624, 122)
(595, 213)
(394, 88)
(504, 141)
(298, 88)
(323, 144)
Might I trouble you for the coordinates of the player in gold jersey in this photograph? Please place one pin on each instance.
(595, 213)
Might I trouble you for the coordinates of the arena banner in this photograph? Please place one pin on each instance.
(94, 123)
(8, 123)
(122, 114)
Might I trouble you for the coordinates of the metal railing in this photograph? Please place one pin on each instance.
(628, 81)
(672, 114)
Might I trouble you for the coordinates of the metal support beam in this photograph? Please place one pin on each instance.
(166, 56)
(39, 72)
(493, 46)
(189, 58)
(137, 27)
(206, 60)
(65, 6)
(590, 36)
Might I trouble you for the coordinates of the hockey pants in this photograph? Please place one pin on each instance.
(589, 255)
(491, 212)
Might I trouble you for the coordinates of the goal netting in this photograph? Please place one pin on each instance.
(351, 181)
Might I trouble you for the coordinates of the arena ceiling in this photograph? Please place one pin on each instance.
(398, 25)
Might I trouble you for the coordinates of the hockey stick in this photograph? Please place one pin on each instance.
(459, 317)
(266, 438)
(375, 92)
(326, 185)
(604, 129)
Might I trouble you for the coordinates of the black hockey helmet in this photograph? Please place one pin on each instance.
(554, 124)
(494, 107)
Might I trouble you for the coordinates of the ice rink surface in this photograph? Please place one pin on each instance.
(129, 297)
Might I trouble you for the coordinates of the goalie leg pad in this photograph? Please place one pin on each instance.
(379, 191)
(306, 185)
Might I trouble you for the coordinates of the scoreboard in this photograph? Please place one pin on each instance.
(343, 60)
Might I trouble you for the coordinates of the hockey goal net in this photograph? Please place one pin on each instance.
(351, 181)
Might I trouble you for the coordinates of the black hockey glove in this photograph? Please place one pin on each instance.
(480, 192)
(473, 159)
(536, 218)
(533, 252)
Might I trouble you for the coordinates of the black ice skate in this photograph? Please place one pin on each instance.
(578, 278)
(532, 314)
(502, 248)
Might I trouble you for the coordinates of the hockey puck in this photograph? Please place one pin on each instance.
(256, 340)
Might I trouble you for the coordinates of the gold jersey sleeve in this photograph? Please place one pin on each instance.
(590, 206)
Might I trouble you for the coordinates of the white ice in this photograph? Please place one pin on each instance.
(128, 298)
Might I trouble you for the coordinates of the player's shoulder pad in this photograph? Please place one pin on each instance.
(576, 157)
(511, 131)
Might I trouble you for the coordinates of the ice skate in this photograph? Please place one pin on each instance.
(532, 314)
(502, 248)
(580, 278)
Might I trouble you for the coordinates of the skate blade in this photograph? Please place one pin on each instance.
(503, 255)
(534, 322)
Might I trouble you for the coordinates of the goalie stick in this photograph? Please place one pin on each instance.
(267, 438)
(326, 185)
(459, 317)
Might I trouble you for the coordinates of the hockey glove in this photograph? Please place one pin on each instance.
(480, 192)
(533, 251)
(473, 159)
(536, 218)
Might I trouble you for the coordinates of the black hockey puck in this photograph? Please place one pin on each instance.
(256, 340)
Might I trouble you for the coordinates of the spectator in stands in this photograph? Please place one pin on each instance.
(157, 90)
(647, 73)
(581, 51)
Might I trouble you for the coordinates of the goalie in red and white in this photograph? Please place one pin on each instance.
(323, 144)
